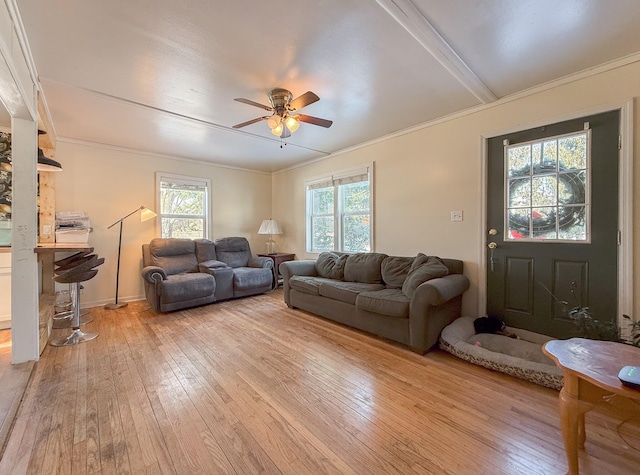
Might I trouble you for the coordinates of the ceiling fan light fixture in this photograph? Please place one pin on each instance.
(292, 124)
(274, 121)
(277, 130)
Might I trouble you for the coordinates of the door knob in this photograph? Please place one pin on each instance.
(492, 245)
(493, 231)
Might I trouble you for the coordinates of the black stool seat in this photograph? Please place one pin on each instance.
(79, 269)
(67, 260)
(87, 263)
(79, 261)
(75, 277)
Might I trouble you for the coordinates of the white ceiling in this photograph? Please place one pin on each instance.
(161, 75)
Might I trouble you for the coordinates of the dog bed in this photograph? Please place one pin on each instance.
(522, 357)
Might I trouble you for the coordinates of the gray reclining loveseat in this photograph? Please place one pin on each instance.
(182, 273)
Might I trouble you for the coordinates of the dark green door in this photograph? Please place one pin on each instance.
(552, 224)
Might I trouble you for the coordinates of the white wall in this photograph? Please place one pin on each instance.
(420, 177)
(108, 183)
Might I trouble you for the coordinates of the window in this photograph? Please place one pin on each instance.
(339, 212)
(547, 182)
(184, 206)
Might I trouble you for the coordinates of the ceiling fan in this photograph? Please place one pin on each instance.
(284, 119)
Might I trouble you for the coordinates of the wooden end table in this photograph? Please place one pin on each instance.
(590, 370)
(278, 258)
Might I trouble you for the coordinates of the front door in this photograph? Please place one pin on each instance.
(552, 224)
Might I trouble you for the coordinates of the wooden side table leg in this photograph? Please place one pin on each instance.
(572, 425)
(582, 434)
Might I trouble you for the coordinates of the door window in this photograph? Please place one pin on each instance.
(547, 193)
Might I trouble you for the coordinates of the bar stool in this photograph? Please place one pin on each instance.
(81, 272)
(64, 317)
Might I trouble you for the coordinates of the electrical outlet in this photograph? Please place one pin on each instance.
(456, 215)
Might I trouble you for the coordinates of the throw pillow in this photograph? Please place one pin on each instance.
(395, 271)
(364, 267)
(330, 265)
(427, 268)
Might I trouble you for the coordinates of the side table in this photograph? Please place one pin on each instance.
(278, 258)
(590, 370)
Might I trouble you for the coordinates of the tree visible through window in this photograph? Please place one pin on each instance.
(339, 213)
(183, 206)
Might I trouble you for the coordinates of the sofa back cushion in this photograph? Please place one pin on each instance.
(364, 267)
(395, 270)
(173, 255)
(331, 266)
(233, 251)
(205, 250)
(424, 268)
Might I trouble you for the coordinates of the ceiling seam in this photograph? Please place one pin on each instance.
(586, 73)
(120, 148)
(409, 16)
(176, 114)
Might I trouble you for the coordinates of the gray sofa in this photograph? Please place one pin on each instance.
(405, 299)
(182, 273)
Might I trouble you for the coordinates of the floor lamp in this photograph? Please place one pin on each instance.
(145, 215)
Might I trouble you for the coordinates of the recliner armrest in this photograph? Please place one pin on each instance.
(260, 262)
(154, 274)
(208, 266)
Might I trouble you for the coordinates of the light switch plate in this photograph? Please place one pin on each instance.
(456, 215)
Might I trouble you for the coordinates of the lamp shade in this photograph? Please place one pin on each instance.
(292, 124)
(270, 226)
(274, 121)
(46, 164)
(146, 214)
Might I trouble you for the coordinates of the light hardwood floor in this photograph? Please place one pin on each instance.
(250, 386)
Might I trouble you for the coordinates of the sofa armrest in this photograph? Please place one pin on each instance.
(290, 268)
(438, 291)
(302, 267)
(435, 304)
(257, 261)
(154, 274)
(208, 266)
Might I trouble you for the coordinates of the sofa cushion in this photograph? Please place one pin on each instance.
(307, 284)
(395, 270)
(189, 286)
(364, 267)
(175, 256)
(205, 250)
(331, 266)
(424, 268)
(391, 302)
(345, 291)
(233, 251)
(251, 277)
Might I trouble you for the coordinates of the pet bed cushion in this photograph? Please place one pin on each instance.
(522, 358)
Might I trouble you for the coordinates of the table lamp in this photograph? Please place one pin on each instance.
(270, 227)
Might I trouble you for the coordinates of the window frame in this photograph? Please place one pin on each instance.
(338, 180)
(190, 180)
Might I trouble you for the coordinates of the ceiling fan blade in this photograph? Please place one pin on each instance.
(253, 103)
(314, 120)
(303, 101)
(249, 122)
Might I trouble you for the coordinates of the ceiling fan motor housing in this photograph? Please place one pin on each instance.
(280, 99)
